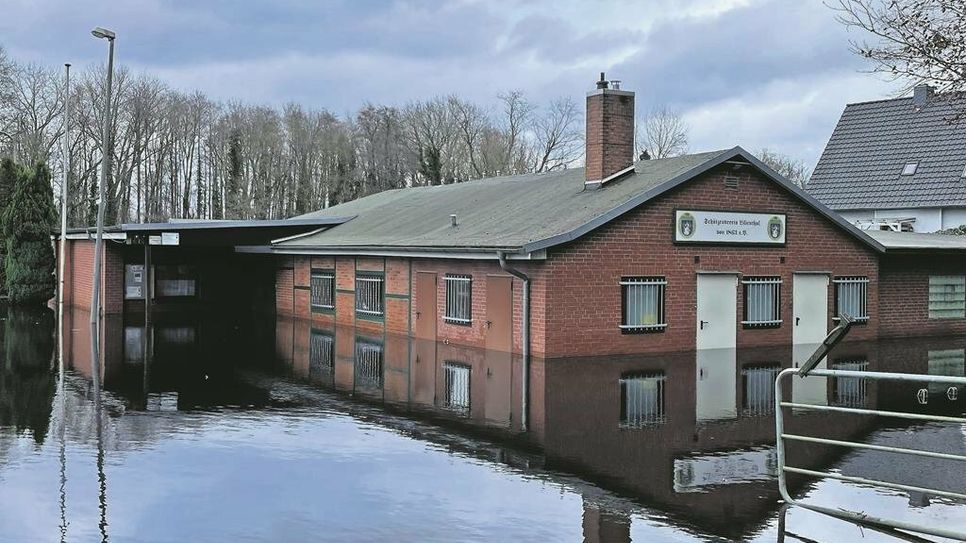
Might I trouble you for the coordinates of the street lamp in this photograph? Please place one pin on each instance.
(107, 154)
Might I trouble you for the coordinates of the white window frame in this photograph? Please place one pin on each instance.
(643, 292)
(369, 303)
(459, 299)
(852, 286)
(943, 302)
(323, 280)
(763, 284)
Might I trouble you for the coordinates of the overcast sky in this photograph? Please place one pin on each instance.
(755, 73)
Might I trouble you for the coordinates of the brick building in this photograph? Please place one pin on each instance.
(704, 251)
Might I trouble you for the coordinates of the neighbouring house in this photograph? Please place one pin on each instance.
(710, 252)
(897, 164)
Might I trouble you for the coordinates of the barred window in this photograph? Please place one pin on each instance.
(369, 294)
(323, 289)
(947, 296)
(850, 391)
(643, 301)
(642, 399)
(459, 299)
(763, 301)
(368, 364)
(321, 355)
(758, 387)
(456, 387)
(851, 297)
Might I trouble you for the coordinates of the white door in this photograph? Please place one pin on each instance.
(809, 307)
(809, 328)
(717, 311)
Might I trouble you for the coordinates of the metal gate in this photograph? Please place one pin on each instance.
(782, 437)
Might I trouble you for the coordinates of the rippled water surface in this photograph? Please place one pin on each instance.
(215, 430)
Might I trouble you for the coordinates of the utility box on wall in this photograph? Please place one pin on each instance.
(135, 282)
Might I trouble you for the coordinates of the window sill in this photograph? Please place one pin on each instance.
(755, 325)
(458, 322)
(642, 329)
(856, 321)
(378, 317)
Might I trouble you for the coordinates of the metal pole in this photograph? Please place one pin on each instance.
(63, 220)
(107, 151)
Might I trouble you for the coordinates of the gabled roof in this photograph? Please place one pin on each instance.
(861, 165)
(516, 214)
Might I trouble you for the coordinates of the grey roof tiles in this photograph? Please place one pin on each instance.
(861, 165)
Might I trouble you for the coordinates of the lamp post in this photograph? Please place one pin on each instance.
(63, 220)
(107, 154)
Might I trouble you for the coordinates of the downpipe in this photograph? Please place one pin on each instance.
(525, 378)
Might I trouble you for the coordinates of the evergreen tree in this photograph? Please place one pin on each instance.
(9, 172)
(233, 188)
(28, 222)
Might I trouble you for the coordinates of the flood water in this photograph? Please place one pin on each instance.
(211, 428)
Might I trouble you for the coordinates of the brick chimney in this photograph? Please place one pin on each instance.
(610, 130)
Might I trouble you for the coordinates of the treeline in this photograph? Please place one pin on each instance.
(184, 155)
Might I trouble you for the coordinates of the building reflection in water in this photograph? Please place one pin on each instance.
(688, 434)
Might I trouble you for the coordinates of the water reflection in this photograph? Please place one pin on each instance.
(647, 447)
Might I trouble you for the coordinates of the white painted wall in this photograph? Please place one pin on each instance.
(928, 219)
(953, 217)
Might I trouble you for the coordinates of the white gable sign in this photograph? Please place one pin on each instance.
(692, 226)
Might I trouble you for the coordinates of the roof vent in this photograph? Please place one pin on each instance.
(615, 84)
(731, 182)
(645, 155)
(452, 220)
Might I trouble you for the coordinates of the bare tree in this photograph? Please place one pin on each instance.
(663, 134)
(517, 115)
(557, 136)
(182, 155)
(792, 169)
(37, 102)
(918, 41)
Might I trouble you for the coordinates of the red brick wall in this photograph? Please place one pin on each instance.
(293, 295)
(473, 335)
(79, 272)
(575, 293)
(583, 298)
(904, 294)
